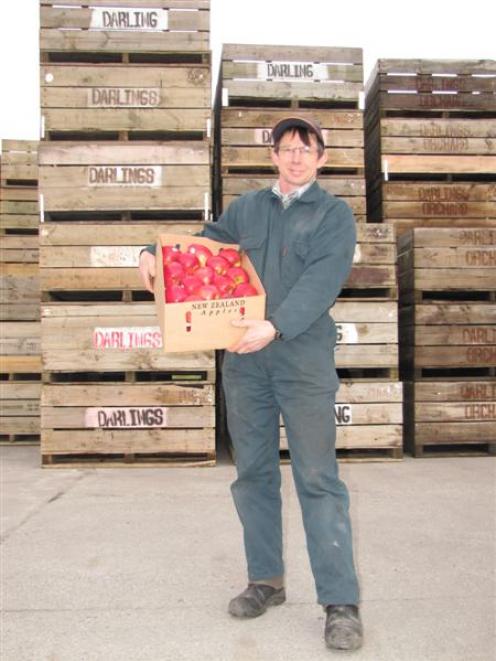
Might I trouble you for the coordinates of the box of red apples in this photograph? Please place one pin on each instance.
(200, 287)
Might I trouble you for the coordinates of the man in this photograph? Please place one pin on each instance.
(301, 241)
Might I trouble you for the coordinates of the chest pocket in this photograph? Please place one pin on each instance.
(253, 245)
(293, 263)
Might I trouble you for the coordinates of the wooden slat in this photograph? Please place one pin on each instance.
(404, 163)
(108, 441)
(136, 394)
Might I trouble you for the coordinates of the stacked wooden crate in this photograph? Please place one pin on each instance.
(448, 339)
(20, 351)
(258, 85)
(126, 155)
(430, 128)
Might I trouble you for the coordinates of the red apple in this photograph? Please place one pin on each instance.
(238, 274)
(218, 263)
(170, 254)
(192, 297)
(174, 271)
(192, 284)
(206, 274)
(189, 261)
(232, 255)
(224, 284)
(245, 289)
(208, 292)
(202, 252)
(175, 294)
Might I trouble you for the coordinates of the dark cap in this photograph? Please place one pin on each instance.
(294, 122)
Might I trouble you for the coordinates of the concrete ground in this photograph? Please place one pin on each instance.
(138, 564)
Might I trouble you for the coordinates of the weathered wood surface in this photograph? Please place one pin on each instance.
(351, 189)
(111, 337)
(70, 260)
(168, 27)
(362, 437)
(145, 175)
(292, 72)
(19, 161)
(19, 249)
(122, 394)
(433, 237)
(19, 291)
(126, 97)
(143, 441)
(450, 412)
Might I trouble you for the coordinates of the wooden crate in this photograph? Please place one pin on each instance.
(97, 257)
(450, 336)
(144, 176)
(19, 163)
(119, 337)
(19, 211)
(19, 409)
(162, 26)
(410, 204)
(350, 188)
(369, 417)
(447, 260)
(19, 291)
(406, 146)
(450, 417)
(20, 347)
(121, 101)
(367, 336)
(245, 137)
(428, 86)
(284, 76)
(374, 264)
(134, 423)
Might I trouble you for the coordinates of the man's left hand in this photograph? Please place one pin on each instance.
(259, 333)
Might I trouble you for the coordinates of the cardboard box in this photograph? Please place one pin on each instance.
(204, 325)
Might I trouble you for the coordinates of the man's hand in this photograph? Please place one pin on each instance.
(147, 269)
(258, 335)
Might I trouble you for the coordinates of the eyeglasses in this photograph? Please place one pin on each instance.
(300, 151)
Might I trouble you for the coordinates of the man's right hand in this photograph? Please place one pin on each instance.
(147, 269)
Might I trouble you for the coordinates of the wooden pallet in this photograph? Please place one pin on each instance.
(280, 76)
(120, 337)
(132, 420)
(450, 417)
(94, 257)
(351, 189)
(126, 102)
(144, 176)
(164, 26)
(19, 408)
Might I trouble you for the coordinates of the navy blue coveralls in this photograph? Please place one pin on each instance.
(303, 255)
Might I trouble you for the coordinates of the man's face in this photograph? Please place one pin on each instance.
(296, 163)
